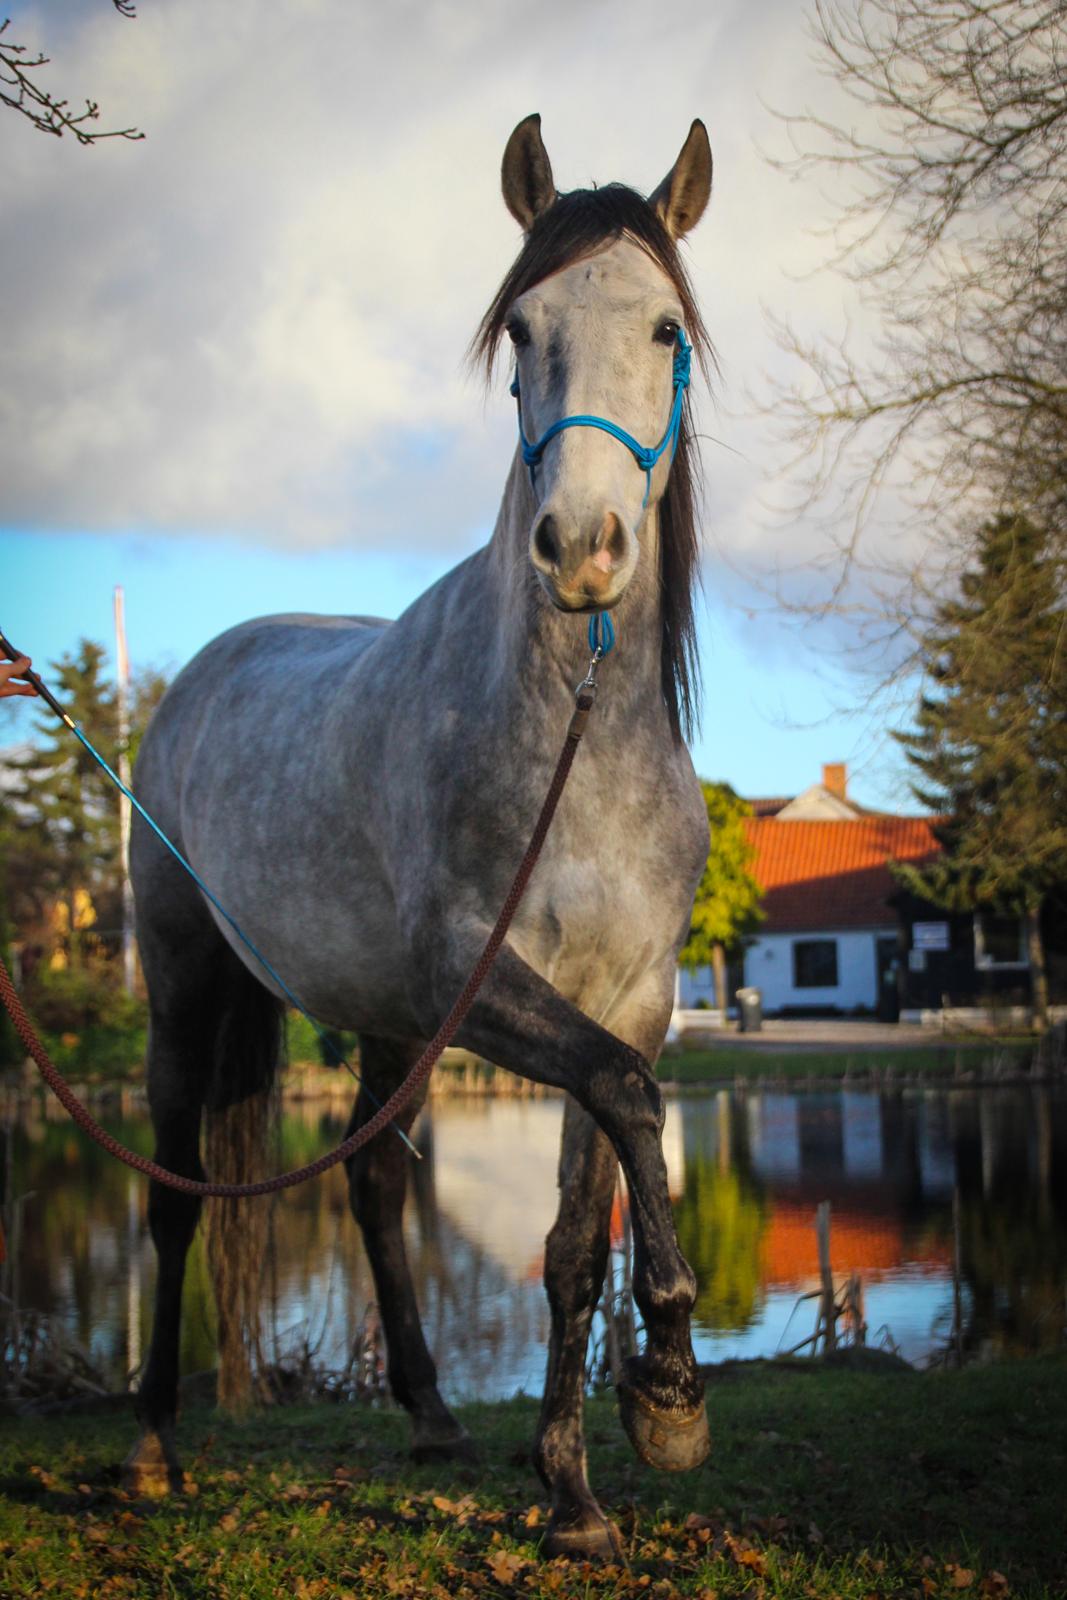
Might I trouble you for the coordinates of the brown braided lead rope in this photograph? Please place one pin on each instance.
(585, 695)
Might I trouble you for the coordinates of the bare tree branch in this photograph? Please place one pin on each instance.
(24, 93)
(953, 230)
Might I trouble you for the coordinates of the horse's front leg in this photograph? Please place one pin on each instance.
(522, 1023)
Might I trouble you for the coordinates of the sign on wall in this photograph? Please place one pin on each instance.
(929, 936)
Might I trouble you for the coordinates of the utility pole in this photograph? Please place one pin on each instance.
(123, 708)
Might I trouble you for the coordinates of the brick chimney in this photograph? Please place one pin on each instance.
(835, 778)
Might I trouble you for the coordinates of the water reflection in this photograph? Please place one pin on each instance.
(746, 1172)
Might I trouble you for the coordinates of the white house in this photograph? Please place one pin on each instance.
(829, 943)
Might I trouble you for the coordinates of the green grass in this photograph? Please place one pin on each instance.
(728, 1061)
(825, 1484)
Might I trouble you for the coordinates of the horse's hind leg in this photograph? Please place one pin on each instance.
(205, 1010)
(576, 1253)
(179, 1064)
(377, 1183)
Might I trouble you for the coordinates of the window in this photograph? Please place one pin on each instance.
(999, 941)
(815, 964)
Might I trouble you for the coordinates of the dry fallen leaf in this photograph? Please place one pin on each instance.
(456, 1508)
(506, 1565)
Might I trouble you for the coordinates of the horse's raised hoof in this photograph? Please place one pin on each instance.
(591, 1538)
(455, 1444)
(152, 1468)
(670, 1441)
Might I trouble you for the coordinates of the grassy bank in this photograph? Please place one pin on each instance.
(821, 1484)
(725, 1062)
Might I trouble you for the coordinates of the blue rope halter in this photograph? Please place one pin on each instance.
(645, 456)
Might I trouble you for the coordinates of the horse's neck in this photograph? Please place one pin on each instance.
(535, 643)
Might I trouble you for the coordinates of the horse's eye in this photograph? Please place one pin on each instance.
(517, 332)
(666, 332)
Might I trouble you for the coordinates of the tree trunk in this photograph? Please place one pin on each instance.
(1038, 973)
(718, 967)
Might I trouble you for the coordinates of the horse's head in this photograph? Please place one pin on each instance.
(600, 314)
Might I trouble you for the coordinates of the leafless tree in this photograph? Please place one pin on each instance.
(22, 91)
(953, 230)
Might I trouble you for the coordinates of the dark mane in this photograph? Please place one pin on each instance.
(576, 225)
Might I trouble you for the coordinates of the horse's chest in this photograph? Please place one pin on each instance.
(594, 934)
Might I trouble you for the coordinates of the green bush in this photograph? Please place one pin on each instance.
(304, 1045)
(89, 995)
(89, 1025)
(99, 1052)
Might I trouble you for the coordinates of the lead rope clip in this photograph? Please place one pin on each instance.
(588, 685)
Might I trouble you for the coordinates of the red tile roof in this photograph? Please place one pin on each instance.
(833, 874)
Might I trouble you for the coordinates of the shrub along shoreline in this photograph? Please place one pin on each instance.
(108, 1073)
(854, 1485)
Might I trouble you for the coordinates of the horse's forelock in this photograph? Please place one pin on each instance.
(575, 226)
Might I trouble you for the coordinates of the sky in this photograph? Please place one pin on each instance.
(234, 377)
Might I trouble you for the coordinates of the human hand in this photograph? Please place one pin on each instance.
(10, 674)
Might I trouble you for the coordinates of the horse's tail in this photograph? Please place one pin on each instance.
(241, 1106)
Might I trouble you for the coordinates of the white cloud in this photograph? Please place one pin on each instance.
(255, 320)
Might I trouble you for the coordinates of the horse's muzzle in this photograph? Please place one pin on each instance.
(583, 565)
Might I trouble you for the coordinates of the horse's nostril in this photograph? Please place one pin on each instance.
(611, 538)
(546, 540)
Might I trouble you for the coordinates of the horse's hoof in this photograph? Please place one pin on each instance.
(454, 1446)
(592, 1538)
(152, 1468)
(670, 1441)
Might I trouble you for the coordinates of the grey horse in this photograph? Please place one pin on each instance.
(358, 794)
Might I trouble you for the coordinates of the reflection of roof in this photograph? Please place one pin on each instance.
(833, 874)
(869, 1246)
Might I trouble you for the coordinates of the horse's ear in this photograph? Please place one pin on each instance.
(526, 174)
(683, 194)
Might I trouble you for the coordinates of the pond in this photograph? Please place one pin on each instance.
(746, 1169)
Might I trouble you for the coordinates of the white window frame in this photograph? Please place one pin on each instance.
(986, 963)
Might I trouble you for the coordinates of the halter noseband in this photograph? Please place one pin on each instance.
(645, 457)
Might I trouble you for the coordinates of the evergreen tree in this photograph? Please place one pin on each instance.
(67, 825)
(991, 741)
(59, 829)
(726, 907)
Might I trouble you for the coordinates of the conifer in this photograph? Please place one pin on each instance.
(990, 746)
